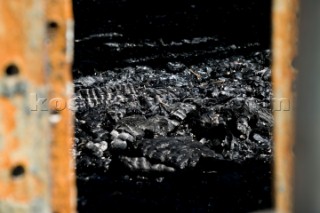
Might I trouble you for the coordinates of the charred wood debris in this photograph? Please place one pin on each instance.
(170, 111)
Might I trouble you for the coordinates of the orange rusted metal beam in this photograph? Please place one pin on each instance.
(24, 131)
(284, 17)
(36, 164)
(60, 47)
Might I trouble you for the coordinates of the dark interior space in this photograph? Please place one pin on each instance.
(163, 22)
(214, 58)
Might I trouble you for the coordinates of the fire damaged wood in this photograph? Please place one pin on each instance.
(143, 119)
(173, 121)
(227, 110)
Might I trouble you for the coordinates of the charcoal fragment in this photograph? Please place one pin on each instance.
(118, 144)
(142, 164)
(259, 138)
(175, 66)
(180, 152)
(126, 137)
(174, 117)
(97, 148)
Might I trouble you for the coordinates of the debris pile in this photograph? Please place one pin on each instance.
(173, 106)
(175, 116)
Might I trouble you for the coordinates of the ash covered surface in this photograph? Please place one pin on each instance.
(172, 123)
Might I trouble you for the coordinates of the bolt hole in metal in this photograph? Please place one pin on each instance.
(52, 25)
(52, 28)
(17, 171)
(54, 112)
(11, 70)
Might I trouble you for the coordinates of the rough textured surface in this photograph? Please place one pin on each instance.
(24, 173)
(198, 117)
(60, 37)
(285, 52)
(221, 105)
(178, 121)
